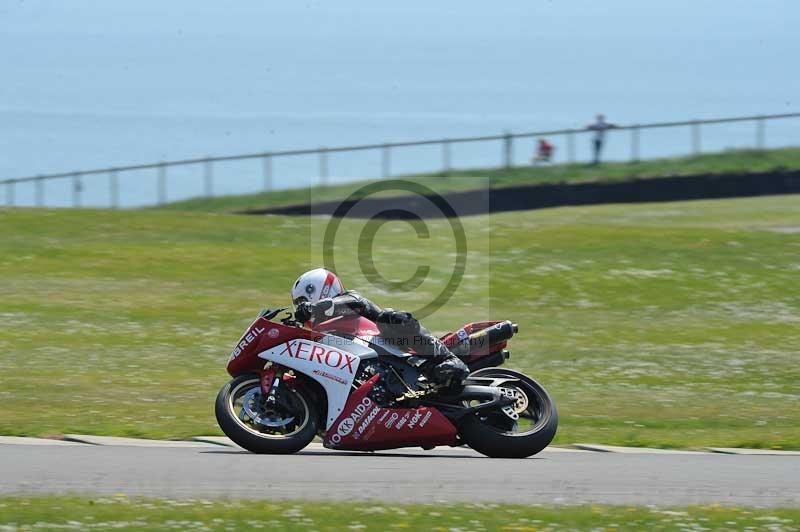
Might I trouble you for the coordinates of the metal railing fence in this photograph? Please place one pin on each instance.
(506, 157)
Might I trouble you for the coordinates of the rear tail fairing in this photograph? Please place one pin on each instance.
(488, 340)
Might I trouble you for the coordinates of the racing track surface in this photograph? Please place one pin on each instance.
(555, 476)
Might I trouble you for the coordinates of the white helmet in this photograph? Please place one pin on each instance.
(315, 285)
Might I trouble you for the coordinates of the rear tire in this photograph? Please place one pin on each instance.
(497, 442)
(248, 435)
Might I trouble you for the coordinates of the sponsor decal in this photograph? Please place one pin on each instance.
(425, 418)
(391, 420)
(329, 376)
(462, 334)
(345, 427)
(322, 355)
(414, 419)
(273, 333)
(401, 422)
(367, 420)
(360, 408)
(246, 340)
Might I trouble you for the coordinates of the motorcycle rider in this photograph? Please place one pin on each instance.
(319, 295)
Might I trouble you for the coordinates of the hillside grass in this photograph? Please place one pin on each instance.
(122, 513)
(670, 325)
(732, 161)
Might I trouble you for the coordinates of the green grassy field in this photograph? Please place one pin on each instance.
(673, 324)
(122, 513)
(723, 162)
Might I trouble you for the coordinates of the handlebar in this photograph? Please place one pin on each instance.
(288, 320)
(269, 313)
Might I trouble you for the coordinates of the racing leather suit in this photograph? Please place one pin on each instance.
(435, 359)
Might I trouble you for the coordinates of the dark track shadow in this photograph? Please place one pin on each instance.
(364, 454)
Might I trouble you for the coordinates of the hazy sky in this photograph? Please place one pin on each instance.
(89, 83)
(64, 55)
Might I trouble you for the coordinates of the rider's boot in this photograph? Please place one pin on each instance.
(443, 367)
(450, 373)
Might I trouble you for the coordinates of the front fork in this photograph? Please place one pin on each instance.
(270, 381)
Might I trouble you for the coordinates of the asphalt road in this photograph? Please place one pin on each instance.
(413, 476)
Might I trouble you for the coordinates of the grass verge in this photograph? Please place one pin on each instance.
(122, 513)
(732, 161)
(669, 325)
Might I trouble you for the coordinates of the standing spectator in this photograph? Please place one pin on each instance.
(599, 128)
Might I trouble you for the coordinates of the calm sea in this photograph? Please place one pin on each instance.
(88, 84)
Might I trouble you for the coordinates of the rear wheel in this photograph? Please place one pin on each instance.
(282, 426)
(524, 429)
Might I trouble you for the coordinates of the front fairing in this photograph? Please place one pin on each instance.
(261, 335)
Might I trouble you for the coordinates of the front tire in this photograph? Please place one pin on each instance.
(284, 427)
(494, 434)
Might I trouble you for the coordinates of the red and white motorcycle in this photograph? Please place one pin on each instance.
(343, 383)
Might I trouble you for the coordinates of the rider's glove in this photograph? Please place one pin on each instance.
(319, 311)
(397, 323)
(394, 317)
(303, 312)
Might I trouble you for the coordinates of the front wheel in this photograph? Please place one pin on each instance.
(282, 426)
(528, 427)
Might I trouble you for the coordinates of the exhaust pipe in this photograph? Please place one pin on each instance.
(500, 332)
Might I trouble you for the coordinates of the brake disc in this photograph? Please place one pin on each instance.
(253, 406)
(520, 402)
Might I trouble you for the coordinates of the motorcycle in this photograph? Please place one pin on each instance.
(358, 392)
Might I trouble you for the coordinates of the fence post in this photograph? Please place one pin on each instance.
(266, 168)
(77, 188)
(162, 183)
(10, 193)
(113, 189)
(508, 150)
(39, 191)
(696, 147)
(571, 147)
(760, 133)
(208, 175)
(635, 144)
(323, 165)
(446, 157)
(386, 160)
